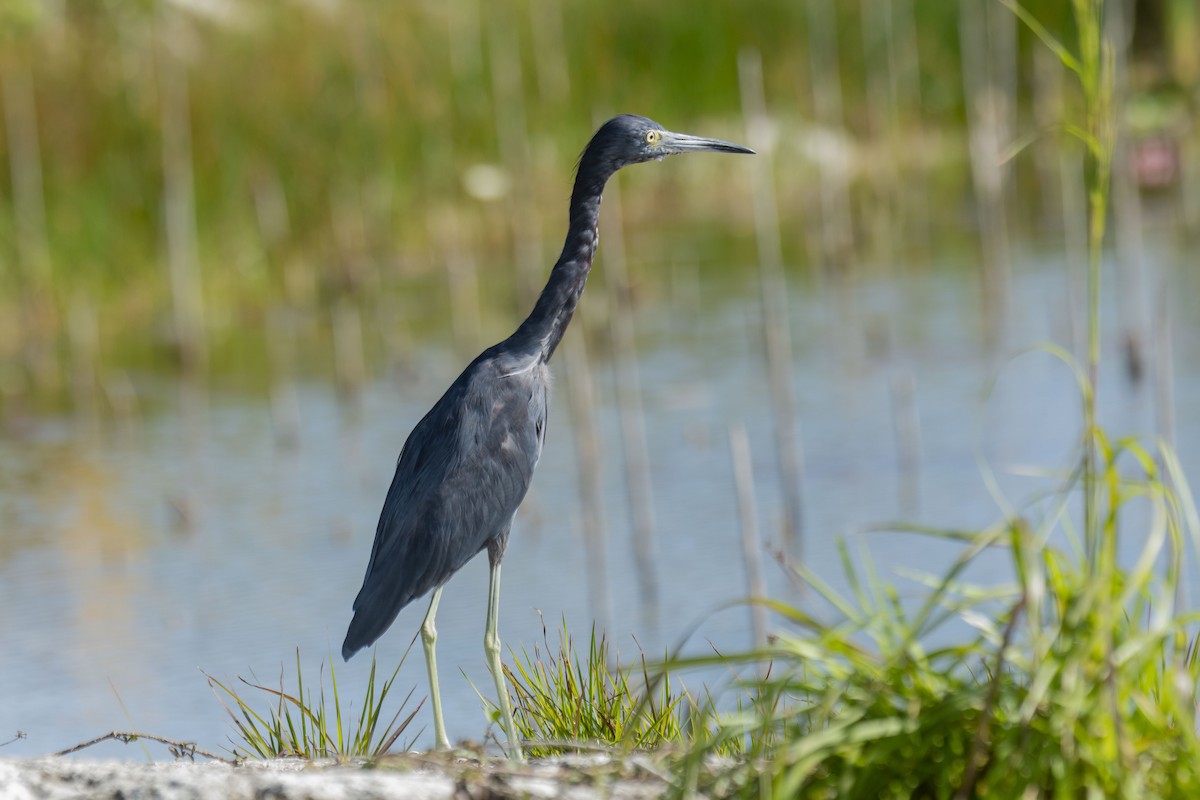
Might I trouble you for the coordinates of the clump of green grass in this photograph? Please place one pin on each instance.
(564, 700)
(1076, 679)
(303, 724)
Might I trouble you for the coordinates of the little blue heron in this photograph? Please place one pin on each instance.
(467, 464)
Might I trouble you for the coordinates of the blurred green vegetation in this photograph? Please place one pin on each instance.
(280, 158)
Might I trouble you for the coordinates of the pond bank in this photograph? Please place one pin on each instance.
(409, 776)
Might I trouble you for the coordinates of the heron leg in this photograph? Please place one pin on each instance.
(429, 640)
(491, 646)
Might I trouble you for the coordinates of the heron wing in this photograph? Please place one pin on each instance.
(459, 479)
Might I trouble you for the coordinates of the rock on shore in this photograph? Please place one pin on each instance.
(68, 778)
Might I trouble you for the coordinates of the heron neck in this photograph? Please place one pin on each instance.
(543, 329)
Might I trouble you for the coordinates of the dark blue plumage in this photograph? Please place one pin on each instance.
(467, 464)
(461, 475)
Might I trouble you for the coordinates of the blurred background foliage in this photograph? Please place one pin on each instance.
(240, 189)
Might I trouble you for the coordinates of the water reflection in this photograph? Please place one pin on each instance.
(199, 539)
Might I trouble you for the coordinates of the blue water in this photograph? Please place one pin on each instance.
(134, 555)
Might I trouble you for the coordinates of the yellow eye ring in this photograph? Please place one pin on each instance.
(653, 137)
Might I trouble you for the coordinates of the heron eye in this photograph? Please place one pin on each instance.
(653, 137)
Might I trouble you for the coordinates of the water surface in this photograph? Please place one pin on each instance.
(134, 556)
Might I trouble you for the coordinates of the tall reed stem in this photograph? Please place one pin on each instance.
(1095, 69)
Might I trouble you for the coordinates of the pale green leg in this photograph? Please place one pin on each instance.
(491, 646)
(429, 639)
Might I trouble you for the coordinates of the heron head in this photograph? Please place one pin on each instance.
(630, 139)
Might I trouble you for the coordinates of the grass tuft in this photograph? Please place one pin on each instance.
(565, 701)
(304, 724)
(1077, 679)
